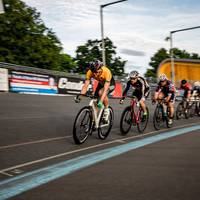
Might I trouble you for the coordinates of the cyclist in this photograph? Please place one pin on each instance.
(187, 92)
(106, 84)
(141, 90)
(166, 90)
(187, 89)
(196, 90)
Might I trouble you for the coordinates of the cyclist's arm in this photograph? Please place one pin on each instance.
(126, 90)
(85, 86)
(105, 90)
(156, 92)
(189, 94)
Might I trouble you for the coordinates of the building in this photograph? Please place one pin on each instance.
(188, 69)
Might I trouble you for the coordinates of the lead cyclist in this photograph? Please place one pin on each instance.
(106, 85)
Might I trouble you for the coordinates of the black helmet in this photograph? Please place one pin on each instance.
(183, 82)
(94, 66)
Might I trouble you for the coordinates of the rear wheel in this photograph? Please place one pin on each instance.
(126, 121)
(198, 108)
(105, 127)
(82, 125)
(143, 120)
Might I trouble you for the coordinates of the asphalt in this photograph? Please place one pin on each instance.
(35, 132)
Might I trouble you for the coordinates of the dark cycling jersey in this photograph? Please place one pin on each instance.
(187, 87)
(167, 89)
(141, 88)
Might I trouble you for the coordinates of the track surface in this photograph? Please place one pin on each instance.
(35, 132)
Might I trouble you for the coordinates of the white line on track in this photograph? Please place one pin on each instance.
(39, 141)
(33, 142)
(7, 174)
(87, 148)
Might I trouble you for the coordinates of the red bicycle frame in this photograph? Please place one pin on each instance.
(136, 117)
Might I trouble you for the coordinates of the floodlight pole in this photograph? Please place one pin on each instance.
(102, 28)
(171, 49)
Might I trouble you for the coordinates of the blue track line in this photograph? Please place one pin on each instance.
(30, 180)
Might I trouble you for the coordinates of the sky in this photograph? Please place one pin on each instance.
(138, 28)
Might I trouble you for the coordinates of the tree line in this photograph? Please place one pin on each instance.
(25, 40)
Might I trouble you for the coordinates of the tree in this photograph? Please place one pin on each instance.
(162, 54)
(92, 50)
(25, 40)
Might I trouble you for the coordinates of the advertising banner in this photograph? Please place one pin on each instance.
(3, 79)
(32, 83)
(70, 85)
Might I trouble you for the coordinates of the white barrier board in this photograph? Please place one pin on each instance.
(3, 79)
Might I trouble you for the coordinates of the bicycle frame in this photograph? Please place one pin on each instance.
(136, 115)
(96, 115)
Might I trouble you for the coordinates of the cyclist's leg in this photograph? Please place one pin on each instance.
(106, 100)
(142, 101)
(171, 106)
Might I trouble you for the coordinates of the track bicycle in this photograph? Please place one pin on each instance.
(194, 107)
(161, 115)
(133, 115)
(89, 119)
(182, 109)
(188, 108)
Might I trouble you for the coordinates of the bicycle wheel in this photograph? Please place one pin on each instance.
(158, 117)
(179, 111)
(192, 110)
(82, 125)
(198, 108)
(142, 124)
(105, 127)
(126, 121)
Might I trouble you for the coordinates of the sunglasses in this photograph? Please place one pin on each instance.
(133, 78)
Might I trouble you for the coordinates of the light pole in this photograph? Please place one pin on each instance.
(102, 28)
(1, 7)
(171, 49)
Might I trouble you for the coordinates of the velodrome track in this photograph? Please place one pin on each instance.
(39, 160)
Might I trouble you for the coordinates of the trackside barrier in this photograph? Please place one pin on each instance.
(23, 79)
(4, 80)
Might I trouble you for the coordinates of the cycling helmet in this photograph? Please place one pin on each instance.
(183, 82)
(162, 77)
(133, 74)
(197, 83)
(94, 66)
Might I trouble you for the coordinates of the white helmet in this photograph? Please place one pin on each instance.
(162, 77)
(197, 84)
(133, 74)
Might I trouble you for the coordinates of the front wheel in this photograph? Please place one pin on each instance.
(158, 117)
(82, 125)
(179, 111)
(126, 121)
(143, 120)
(105, 126)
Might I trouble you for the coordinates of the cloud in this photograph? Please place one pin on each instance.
(132, 52)
(138, 28)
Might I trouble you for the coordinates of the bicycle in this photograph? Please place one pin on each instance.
(194, 107)
(132, 116)
(188, 108)
(89, 120)
(183, 109)
(160, 115)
